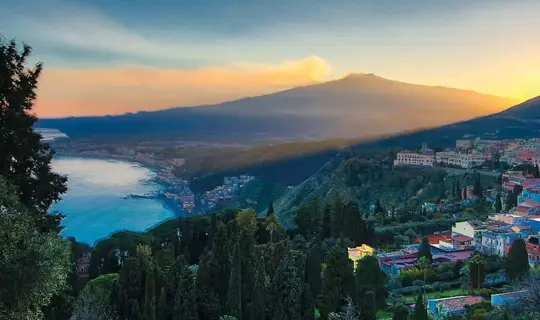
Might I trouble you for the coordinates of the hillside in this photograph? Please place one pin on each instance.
(520, 121)
(366, 174)
(358, 105)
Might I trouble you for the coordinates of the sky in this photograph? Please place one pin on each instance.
(117, 56)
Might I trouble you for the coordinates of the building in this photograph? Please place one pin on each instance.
(498, 242)
(509, 218)
(393, 263)
(512, 179)
(463, 160)
(508, 298)
(533, 250)
(426, 157)
(355, 254)
(469, 228)
(446, 308)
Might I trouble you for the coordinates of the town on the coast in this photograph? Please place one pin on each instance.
(513, 224)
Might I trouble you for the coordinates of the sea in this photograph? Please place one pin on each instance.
(97, 202)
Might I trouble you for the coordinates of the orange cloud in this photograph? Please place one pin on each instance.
(66, 92)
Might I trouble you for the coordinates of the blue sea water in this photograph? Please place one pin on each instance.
(94, 205)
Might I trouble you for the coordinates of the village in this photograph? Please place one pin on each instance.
(490, 240)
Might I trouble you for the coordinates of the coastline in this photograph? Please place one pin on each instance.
(155, 195)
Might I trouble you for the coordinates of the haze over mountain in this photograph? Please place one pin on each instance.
(357, 105)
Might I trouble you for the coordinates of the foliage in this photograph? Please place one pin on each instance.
(400, 312)
(425, 250)
(369, 277)
(34, 266)
(517, 261)
(337, 280)
(25, 162)
(420, 311)
(97, 301)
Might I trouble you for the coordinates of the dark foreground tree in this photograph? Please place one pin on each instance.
(517, 262)
(425, 250)
(25, 162)
(33, 266)
(420, 311)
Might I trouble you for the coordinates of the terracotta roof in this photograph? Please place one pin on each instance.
(461, 238)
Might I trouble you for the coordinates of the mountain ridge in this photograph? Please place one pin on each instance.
(351, 107)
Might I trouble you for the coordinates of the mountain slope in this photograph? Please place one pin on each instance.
(520, 121)
(355, 106)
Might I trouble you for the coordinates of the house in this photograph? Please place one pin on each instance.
(498, 242)
(509, 218)
(469, 228)
(530, 199)
(457, 242)
(450, 307)
(436, 237)
(533, 250)
(394, 262)
(355, 254)
(514, 178)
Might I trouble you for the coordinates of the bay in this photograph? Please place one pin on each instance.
(95, 205)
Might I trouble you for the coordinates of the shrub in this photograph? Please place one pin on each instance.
(486, 293)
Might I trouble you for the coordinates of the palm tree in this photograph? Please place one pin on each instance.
(272, 225)
(424, 263)
(478, 260)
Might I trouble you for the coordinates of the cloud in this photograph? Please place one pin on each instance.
(117, 90)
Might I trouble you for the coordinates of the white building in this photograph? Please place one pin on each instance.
(415, 158)
(463, 160)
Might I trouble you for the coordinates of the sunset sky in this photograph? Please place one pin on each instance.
(116, 56)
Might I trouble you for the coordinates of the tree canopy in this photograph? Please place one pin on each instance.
(25, 162)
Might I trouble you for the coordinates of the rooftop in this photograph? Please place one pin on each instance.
(456, 303)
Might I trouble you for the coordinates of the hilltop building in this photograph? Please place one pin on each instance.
(426, 157)
(355, 254)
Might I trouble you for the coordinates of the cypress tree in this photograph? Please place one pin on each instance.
(498, 203)
(337, 280)
(247, 224)
(368, 310)
(234, 297)
(286, 291)
(420, 311)
(477, 187)
(369, 277)
(326, 221)
(208, 303)
(185, 307)
(308, 306)
(220, 253)
(259, 294)
(161, 311)
(314, 269)
(25, 162)
(425, 250)
(517, 261)
(150, 297)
